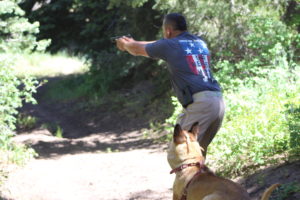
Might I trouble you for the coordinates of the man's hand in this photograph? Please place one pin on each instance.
(121, 42)
(128, 39)
(136, 48)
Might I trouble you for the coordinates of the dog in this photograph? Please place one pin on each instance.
(195, 181)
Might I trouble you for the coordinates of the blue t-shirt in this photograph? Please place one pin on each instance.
(188, 60)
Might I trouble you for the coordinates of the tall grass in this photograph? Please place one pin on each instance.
(256, 123)
(47, 65)
(70, 70)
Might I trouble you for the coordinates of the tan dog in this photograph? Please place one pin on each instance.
(194, 181)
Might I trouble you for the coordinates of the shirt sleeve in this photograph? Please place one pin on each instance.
(157, 49)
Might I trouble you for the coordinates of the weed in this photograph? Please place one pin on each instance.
(46, 65)
(59, 132)
(53, 128)
(110, 150)
(26, 122)
(286, 190)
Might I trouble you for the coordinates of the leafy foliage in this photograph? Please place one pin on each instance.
(293, 117)
(85, 27)
(16, 35)
(26, 122)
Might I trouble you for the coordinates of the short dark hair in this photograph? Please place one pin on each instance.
(176, 20)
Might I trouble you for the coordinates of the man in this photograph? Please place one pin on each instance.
(188, 60)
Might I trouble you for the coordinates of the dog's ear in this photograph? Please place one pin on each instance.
(178, 136)
(195, 129)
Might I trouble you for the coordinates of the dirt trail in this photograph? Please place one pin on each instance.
(138, 174)
(104, 157)
(102, 166)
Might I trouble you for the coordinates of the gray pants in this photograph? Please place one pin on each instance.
(208, 109)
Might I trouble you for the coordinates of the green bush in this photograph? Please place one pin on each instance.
(16, 36)
(257, 125)
(26, 122)
(293, 122)
(270, 44)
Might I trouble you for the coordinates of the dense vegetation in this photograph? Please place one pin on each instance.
(237, 32)
(16, 35)
(85, 27)
(255, 47)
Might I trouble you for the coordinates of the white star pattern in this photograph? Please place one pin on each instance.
(188, 51)
(192, 45)
(200, 50)
(203, 44)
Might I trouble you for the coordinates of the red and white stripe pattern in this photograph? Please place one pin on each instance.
(197, 56)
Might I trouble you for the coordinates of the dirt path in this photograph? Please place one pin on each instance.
(106, 157)
(101, 157)
(100, 166)
(139, 174)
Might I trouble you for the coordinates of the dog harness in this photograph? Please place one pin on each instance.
(202, 169)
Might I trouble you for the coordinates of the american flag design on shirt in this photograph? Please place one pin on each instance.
(197, 56)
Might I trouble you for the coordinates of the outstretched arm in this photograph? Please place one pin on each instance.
(136, 48)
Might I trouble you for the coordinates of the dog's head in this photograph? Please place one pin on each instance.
(184, 148)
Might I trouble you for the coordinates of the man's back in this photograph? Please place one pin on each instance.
(188, 61)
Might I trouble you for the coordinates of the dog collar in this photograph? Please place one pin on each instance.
(181, 167)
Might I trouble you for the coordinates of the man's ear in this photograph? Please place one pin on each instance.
(178, 136)
(195, 129)
(168, 31)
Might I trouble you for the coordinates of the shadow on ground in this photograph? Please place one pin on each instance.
(48, 146)
(106, 128)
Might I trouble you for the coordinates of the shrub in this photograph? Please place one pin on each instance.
(257, 124)
(16, 35)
